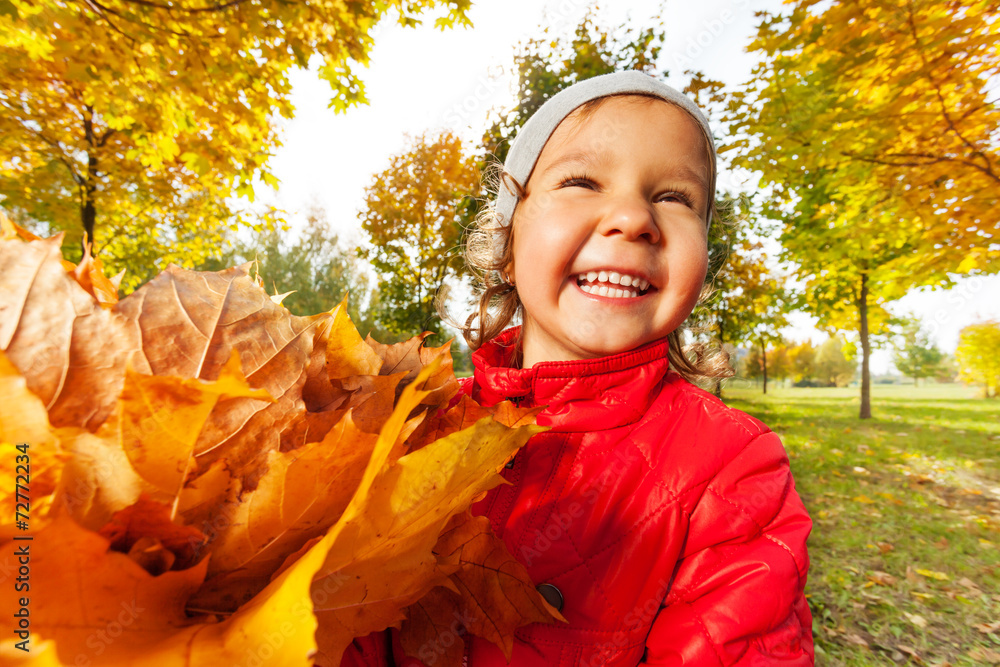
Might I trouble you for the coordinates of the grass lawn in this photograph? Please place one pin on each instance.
(905, 547)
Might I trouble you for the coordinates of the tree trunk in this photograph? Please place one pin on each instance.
(763, 361)
(866, 404)
(89, 217)
(88, 212)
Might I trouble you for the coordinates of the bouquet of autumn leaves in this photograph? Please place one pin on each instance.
(214, 481)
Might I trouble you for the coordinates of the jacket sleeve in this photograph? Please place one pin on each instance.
(737, 595)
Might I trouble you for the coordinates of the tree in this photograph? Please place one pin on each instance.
(916, 355)
(313, 270)
(748, 301)
(947, 370)
(778, 363)
(832, 366)
(899, 91)
(978, 355)
(547, 64)
(802, 360)
(868, 211)
(847, 260)
(769, 360)
(413, 216)
(127, 118)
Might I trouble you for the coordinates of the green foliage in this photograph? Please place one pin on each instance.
(313, 267)
(916, 355)
(136, 122)
(871, 125)
(413, 217)
(748, 301)
(978, 355)
(547, 64)
(832, 366)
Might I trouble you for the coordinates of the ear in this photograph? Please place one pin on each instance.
(507, 273)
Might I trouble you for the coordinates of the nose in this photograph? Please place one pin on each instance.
(632, 217)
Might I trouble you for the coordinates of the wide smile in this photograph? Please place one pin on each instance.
(612, 285)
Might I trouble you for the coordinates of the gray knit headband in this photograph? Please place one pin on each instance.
(533, 135)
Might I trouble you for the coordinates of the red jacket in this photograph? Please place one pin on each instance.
(668, 522)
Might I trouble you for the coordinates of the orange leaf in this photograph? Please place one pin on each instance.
(398, 512)
(47, 320)
(161, 419)
(148, 519)
(302, 494)
(346, 353)
(90, 274)
(495, 594)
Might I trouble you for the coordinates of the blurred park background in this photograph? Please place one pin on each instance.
(343, 146)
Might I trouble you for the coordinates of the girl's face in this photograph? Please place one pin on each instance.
(614, 207)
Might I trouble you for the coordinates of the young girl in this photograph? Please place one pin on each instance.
(664, 525)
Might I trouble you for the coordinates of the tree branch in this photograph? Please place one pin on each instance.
(193, 10)
(940, 96)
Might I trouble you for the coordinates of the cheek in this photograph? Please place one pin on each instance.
(543, 247)
(691, 264)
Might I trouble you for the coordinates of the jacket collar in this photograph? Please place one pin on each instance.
(589, 394)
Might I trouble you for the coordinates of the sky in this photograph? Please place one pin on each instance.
(426, 80)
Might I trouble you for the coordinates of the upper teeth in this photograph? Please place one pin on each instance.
(614, 277)
(611, 277)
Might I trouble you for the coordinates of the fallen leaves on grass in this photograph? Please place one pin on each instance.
(882, 578)
(986, 656)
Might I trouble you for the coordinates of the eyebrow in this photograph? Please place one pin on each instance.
(579, 157)
(681, 170)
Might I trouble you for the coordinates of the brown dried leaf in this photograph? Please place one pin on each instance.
(46, 320)
(411, 357)
(89, 273)
(856, 639)
(98, 479)
(463, 414)
(205, 317)
(302, 494)
(195, 461)
(495, 594)
(882, 578)
(161, 419)
(398, 512)
(150, 520)
(985, 656)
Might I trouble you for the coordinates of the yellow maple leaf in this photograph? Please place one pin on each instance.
(162, 418)
(382, 559)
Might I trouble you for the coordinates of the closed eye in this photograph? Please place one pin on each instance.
(578, 181)
(675, 197)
